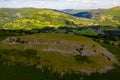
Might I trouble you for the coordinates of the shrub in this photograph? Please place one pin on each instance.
(80, 58)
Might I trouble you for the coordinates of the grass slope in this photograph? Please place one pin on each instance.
(60, 53)
(104, 17)
(107, 17)
(29, 18)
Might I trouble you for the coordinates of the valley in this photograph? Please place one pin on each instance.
(47, 44)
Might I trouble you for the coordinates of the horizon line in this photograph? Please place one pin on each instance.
(55, 8)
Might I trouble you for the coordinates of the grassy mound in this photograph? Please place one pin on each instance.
(59, 52)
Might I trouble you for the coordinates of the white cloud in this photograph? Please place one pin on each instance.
(59, 4)
(14, 2)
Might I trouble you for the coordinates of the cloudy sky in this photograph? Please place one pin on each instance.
(60, 4)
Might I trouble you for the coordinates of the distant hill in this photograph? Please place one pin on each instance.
(29, 18)
(33, 18)
(67, 10)
(72, 11)
(108, 17)
(83, 15)
(115, 11)
(104, 17)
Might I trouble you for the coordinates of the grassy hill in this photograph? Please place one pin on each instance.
(47, 53)
(104, 17)
(115, 11)
(58, 52)
(30, 18)
(108, 17)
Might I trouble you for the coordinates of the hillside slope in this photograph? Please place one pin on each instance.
(107, 17)
(60, 52)
(29, 18)
(104, 17)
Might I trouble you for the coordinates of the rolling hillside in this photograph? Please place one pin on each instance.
(45, 44)
(104, 17)
(31, 18)
(108, 17)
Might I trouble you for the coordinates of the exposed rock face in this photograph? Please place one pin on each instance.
(14, 40)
